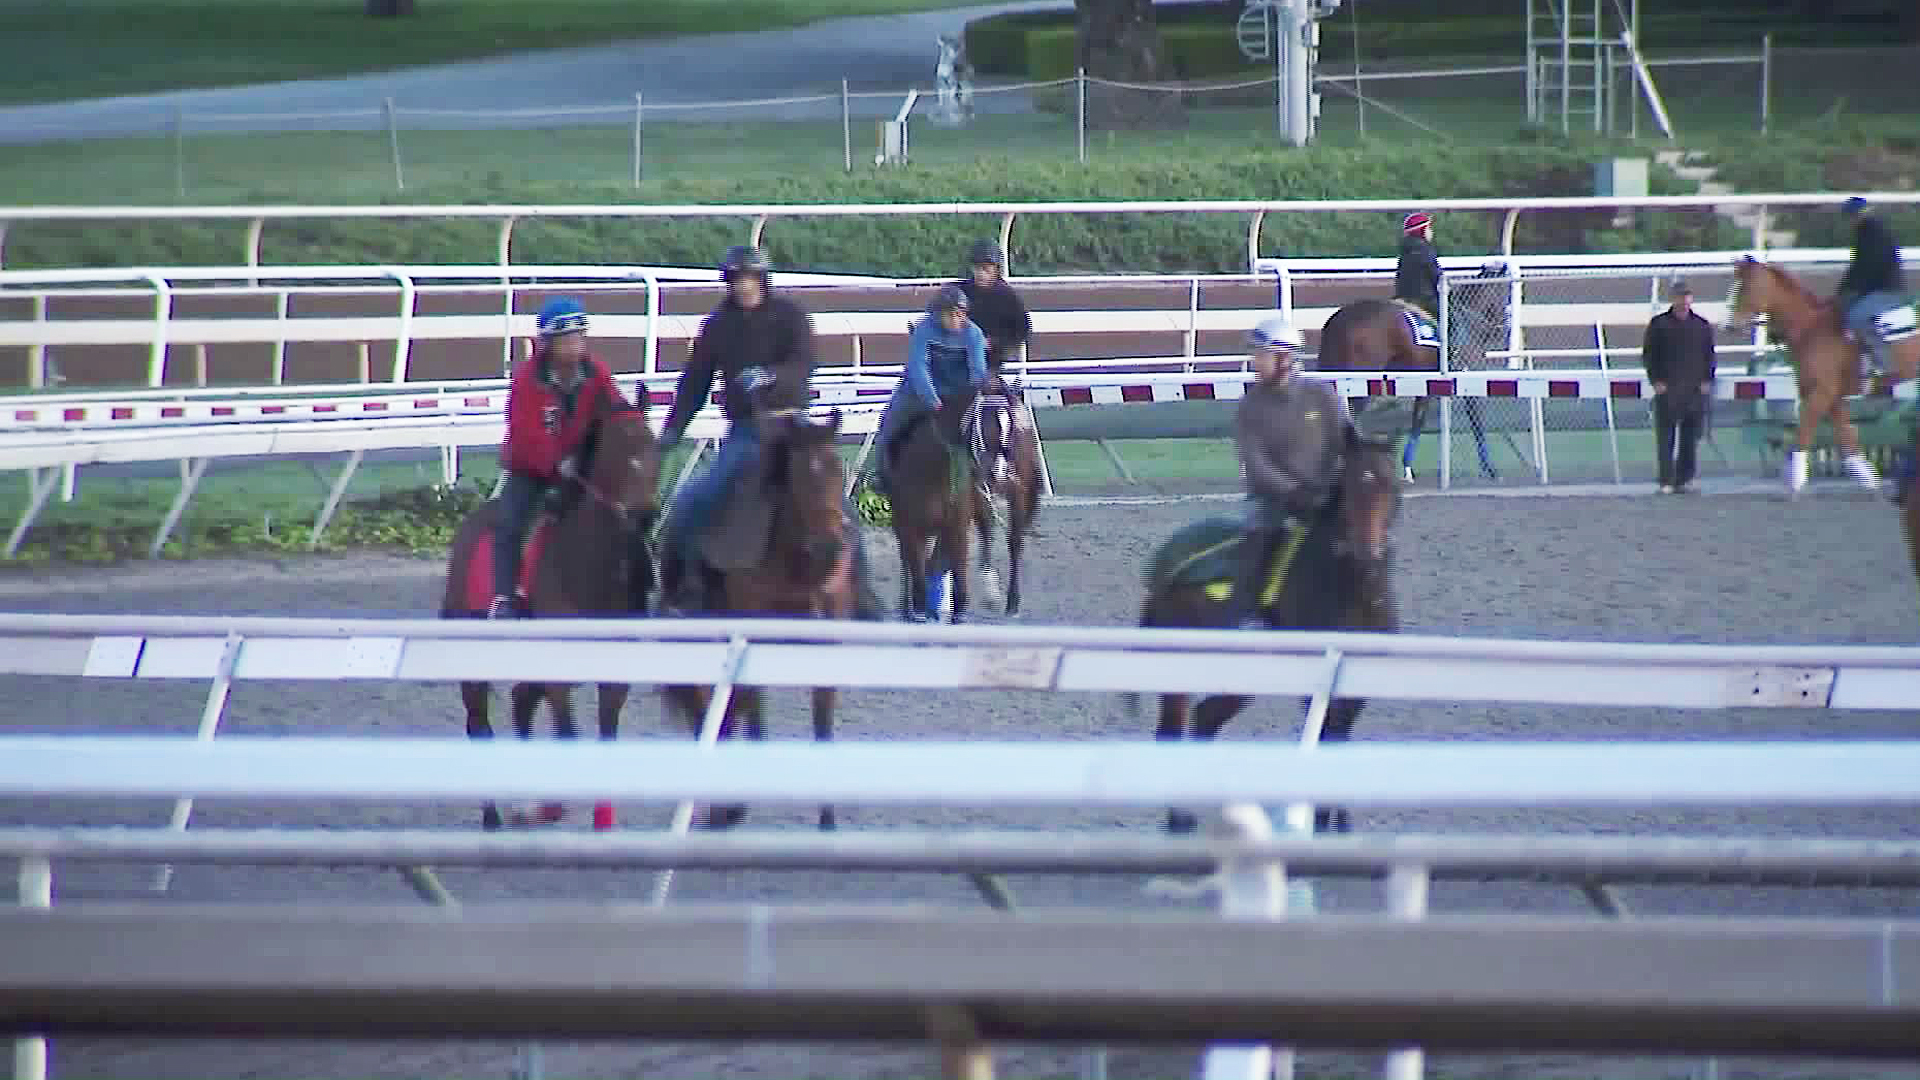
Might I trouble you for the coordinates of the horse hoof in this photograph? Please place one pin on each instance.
(490, 818)
(827, 822)
(1180, 821)
(603, 816)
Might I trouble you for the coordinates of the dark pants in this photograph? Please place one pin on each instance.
(1267, 529)
(517, 502)
(1676, 429)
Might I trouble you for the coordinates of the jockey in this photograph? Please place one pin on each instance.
(761, 345)
(1417, 278)
(994, 306)
(946, 355)
(1872, 283)
(1291, 435)
(548, 404)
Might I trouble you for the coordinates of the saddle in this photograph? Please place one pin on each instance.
(1421, 323)
(1206, 556)
(742, 527)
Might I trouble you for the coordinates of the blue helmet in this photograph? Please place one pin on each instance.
(561, 315)
(1855, 205)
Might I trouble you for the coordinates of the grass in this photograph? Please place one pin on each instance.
(53, 50)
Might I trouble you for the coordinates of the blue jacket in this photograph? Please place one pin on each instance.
(942, 362)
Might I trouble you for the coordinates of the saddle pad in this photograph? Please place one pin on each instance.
(1898, 323)
(1200, 554)
(479, 580)
(1426, 333)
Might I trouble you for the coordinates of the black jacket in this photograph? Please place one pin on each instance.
(1680, 353)
(1001, 315)
(1876, 261)
(777, 335)
(1418, 276)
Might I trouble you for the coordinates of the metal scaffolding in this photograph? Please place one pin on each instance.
(1575, 48)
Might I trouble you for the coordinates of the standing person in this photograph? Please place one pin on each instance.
(548, 404)
(995, 307)
(1679, 354)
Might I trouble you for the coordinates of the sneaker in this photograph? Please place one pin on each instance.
(1665, 489)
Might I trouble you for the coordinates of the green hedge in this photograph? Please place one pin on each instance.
(931, 245)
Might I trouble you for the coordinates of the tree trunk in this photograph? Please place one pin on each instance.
(1120, 42)
(389, 9)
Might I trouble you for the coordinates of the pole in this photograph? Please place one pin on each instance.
(1359, 90)
(846, 125)
(393, 144)
(1299, 78)
(36, 891)
(180, 151)
(1766, 81)
(1080, 79)
(639, 107)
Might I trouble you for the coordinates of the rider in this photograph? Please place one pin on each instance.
(1291, 435)
(761, 344)
(1417, 277)
(1872, 283)
(994, 305)
(548, 404)
(946, 355)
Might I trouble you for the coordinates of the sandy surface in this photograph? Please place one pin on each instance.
(1726, 568)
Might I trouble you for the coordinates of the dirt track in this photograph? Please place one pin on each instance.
(1712, 569)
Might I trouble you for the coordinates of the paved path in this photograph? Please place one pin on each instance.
(878, 54)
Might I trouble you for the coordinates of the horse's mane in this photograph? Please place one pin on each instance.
(1792, 285)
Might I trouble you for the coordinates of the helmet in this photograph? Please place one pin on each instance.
(1415, 221)
(561, 315)
(1274, 332)
(741, 257)
(1493, 268)
(986, 252)
(949, 298)
(1855, 205)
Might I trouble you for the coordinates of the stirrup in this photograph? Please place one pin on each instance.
(501, 607)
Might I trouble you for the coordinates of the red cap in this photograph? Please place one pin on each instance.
(1415, 220)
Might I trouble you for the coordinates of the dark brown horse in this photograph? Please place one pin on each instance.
(1005, 447)
(779, 546)
(1340, 578)
(934, 497)
(1392, 335)
(587, 559)
(1827, 368)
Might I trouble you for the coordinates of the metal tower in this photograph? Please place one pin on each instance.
(1571, 58)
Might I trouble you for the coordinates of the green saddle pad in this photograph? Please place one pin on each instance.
(1201, 554)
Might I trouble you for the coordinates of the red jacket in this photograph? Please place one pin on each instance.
(540, 430)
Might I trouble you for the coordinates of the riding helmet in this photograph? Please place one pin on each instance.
(949, 298)
(1416, 221)
(561, 315)
(1274, 332)
(986, 253)
(742, 257)
(1855, 205)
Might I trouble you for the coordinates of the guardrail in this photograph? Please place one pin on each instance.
(1255, 210)
(799, 653)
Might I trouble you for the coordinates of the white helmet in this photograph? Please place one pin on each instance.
(1274, 332)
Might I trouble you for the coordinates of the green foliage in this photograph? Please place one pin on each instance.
(1862, 154)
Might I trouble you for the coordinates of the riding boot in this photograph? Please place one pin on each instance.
(1256, 559)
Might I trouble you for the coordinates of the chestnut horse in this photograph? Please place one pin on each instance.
(1827, 363)
(1392, 335)
(586, 555)
(780, 545)
(1340, 578)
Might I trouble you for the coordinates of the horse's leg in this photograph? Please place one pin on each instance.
(1022, 503)
(524, 700)
(742, 711)
(1202, 723)
(1815, 403)
(611, 698)
(954, 539)
(1173, 728)
(474, 696)
(1847, 436)
(1411, 446)
(823, 699)
(1337, 728)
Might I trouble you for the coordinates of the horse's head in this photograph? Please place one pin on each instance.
(998, 412)
(626, 465)
(808, 475)
(1370, 500)
(1752, 293)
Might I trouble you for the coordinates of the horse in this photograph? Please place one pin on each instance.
(1827, 366)
(585, 555)
(779, 545)
(1339, 578)
(1006, 458)
(1392, 335)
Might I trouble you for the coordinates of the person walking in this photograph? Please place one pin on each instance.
(1679, 354)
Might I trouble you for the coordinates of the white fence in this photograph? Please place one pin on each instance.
(1806, 982)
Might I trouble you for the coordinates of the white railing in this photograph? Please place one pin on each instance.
(1255, 210)
(804, 653)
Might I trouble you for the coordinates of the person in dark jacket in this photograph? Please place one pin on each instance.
(761, 345)
(1290, 434)
(1873, 283)
(549, 403)
(1679, 354)
(1417, 278)
(994, 306)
